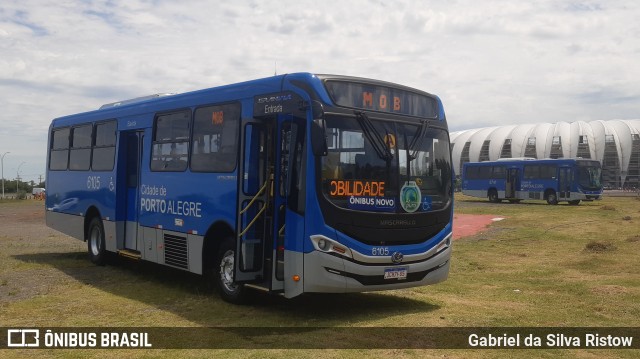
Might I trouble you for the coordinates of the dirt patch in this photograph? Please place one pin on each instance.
(465, 225)
(609, 290)
(633, 239)
(599, 247)
(23, 219)
(24, 212)
(25, 243)
(23, 284)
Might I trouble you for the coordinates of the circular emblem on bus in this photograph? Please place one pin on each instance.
(410, 197)
(397, 257)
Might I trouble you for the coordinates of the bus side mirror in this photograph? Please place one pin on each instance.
(319, 137)
(318, 130)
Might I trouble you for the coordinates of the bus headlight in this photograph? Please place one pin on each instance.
(327, 245)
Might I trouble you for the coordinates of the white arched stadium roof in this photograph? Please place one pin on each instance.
(569, 133)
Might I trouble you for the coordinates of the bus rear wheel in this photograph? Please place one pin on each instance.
(230, 291)
(552, 198)
(95, 242)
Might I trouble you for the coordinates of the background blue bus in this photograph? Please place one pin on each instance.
(290, 184)
(553, 180)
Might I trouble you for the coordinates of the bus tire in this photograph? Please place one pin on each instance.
(574, 203)
(95, 242)
(493, 196)
(223, 273)
(552, 198)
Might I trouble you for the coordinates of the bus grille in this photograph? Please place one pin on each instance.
(175, 251)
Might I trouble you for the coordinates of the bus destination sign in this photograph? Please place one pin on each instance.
(381, 98)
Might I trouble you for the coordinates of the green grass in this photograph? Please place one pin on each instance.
(543, 266)
(550, 266)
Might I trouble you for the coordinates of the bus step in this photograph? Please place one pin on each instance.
(131, 254)
(257, 287)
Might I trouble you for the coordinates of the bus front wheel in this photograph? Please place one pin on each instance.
(95, 242)
(552, 198)
(230, 291)
(574, 203)
(493, 196)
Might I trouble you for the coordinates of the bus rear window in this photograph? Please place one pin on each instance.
(59, 157)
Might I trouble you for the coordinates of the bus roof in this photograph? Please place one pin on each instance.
(231, 92)
(155, 103)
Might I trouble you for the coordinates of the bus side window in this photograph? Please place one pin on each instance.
(80, 155)
(215, 138)
(104, 150)
(170, 143)
(498, 172)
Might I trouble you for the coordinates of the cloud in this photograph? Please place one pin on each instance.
(21, 18)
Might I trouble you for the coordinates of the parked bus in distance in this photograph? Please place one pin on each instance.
(516, 179)
(289, 184)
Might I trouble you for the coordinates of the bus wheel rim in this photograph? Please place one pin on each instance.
(95, 241)
(226, 271)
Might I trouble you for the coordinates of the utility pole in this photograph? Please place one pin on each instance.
(18, 178)
(2, 163)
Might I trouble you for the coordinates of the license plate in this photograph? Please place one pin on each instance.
(395, 273)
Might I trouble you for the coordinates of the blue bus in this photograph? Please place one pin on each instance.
(289, 184)
(516, 179)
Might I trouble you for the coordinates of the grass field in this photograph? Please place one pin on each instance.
(542, 266)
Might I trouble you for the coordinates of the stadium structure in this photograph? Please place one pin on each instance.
(615, 143)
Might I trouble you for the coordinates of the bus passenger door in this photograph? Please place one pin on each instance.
(133, 156)
(512, 183)
(564, 183)
(255, 174)
(270, 181)
(270, 176)
(287, 197)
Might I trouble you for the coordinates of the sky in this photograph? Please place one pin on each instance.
(491, 62)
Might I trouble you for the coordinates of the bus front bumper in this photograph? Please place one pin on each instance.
(332, 273)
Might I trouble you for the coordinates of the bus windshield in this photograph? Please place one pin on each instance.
(589, 176)
(380, 167)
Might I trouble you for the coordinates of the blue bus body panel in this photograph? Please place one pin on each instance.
(74, 194)
(181, 206)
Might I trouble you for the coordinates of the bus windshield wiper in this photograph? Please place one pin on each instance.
(418, 138)
(374, 137)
